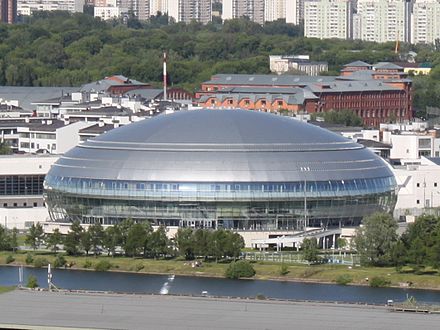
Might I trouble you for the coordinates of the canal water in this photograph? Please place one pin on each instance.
(188, 285)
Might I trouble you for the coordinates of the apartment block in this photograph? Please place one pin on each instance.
(110, 12)
(183, 10)
(253, 9)
(327, 19)
(425, 21)
(381, 20)
(8, 11)
(195, 10)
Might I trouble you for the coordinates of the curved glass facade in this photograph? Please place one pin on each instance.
(241, 205)
(232, 169)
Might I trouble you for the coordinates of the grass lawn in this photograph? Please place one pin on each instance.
(4, 289)
(265, 270)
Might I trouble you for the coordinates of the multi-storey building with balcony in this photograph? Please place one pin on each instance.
(327, 19)
(253, 9)
(425, 21)
(382, 20)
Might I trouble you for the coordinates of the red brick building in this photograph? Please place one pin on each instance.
(377, 93)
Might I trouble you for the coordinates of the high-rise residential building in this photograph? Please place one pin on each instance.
(425, 21)
(274, 10)
(138, 8)
(382, 20)
(326, 19)
(195, 10)
(293, 11)
(183, 10)
(253, 9)
(8, 11)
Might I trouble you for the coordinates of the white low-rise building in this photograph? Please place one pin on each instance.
(419, 188)
(27, 7)
(21, 189)
(52, 137)
(110, 12)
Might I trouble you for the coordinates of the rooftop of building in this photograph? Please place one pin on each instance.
(220, 146)
(97, 129)
(105, 110)
(26, 96)
(148, 93)
(373, 144)
(267, 79)
(104, 84)
(386, 66)
(357, 64)
(50, 125)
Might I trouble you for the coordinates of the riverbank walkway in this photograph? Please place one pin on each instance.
(61, 310)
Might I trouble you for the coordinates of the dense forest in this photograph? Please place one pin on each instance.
(63, 49)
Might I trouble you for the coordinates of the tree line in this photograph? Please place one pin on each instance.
(139, 240)
(84, 49)
(378, 243)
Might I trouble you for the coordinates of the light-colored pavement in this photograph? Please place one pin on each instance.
(169, 312)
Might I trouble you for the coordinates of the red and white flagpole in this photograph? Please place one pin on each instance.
(164, 76)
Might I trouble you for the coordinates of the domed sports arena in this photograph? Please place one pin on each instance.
(235, 169)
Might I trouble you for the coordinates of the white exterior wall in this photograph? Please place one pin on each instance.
(26, 7)
(419, 188)
(106, 13)
(68, 136)
(22, 218)
(227, 12)
(371, 134)
(425, 21)
(254, 9)
(274, 10)
(292, 14)
(327, 19)
(381, 20)
(63, 139)
(26, 164)
(410, 146)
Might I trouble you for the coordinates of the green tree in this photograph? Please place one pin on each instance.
(96, 233)
(136, 240)
(72, 240)
(203, 243)
(185, 242)
(374, 241)
(32, 282)
(124, 228)
(345, 117)
(341, 243)
(238, 269)
(421, 242)
(234, 244)
(86, 241)
(14, 239)
(309, 248)
(35, 236)
(159, 242)
(111, 239)
(5, 149)
(5, 241)
(53, 240)
(218, 244)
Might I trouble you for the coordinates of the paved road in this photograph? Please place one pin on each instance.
(169, 312)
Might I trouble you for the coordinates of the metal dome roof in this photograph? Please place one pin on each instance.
(220, 146)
